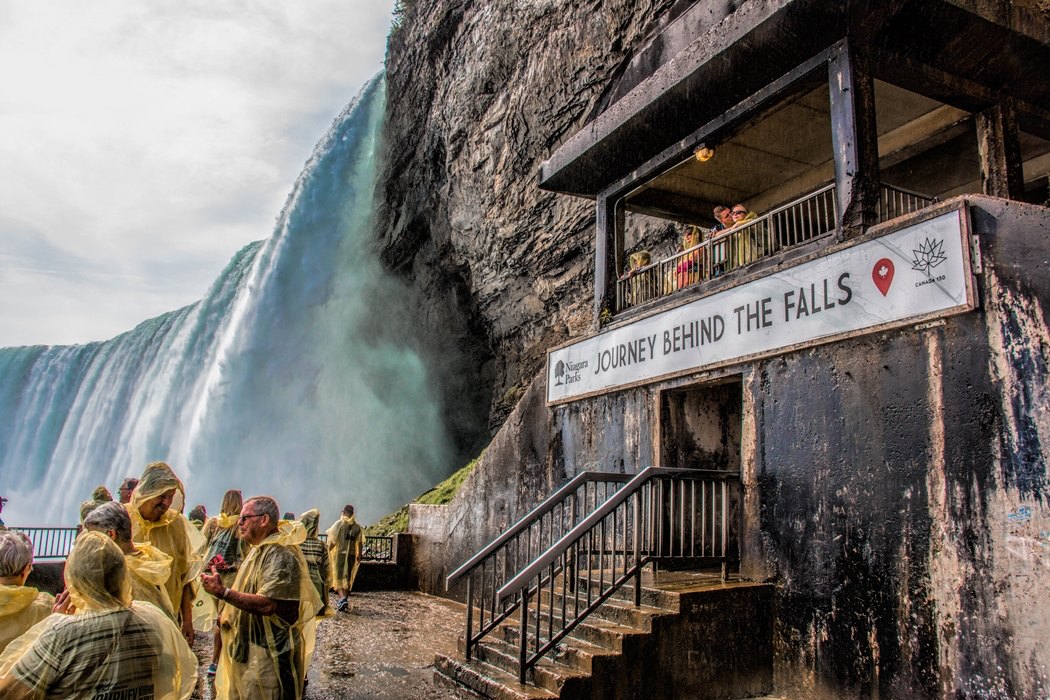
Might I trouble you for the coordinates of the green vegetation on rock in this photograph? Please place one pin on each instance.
(440, 495)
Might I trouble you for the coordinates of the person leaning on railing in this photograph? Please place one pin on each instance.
(640, 287)
(21, 607)
(742, 248)
(687, 270)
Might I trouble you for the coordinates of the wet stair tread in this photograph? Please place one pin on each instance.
(548, 673)
(490, 681)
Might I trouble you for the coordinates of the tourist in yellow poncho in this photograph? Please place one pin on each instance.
(21, 607)
(266, 610)
(148, 567)
(345, 541)
(225, 550)
(156, 519)
(110, 647)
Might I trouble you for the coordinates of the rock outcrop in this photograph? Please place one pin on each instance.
(479, 94)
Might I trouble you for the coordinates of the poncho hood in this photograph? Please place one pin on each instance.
(310, 520)
(13, 599)
(96, 574)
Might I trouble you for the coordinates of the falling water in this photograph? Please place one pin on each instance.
(294, 377)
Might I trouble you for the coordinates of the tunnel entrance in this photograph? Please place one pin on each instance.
(701, 426)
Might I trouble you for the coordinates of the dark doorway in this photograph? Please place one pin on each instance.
(701, 427)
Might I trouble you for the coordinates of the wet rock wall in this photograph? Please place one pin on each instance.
(894, 488)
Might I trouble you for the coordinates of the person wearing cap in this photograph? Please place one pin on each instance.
(21, 607)
(110, 647)
(266, 610)
(156, 518)
(148, 567)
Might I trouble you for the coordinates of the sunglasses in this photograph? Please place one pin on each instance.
(739, 213)
(244, 518)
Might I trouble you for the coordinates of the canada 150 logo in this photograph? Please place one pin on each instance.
(568, 372)
(927, 256)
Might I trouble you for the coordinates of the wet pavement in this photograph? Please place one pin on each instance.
(383, 649)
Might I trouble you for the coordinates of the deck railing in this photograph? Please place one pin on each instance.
(793, 224)
(50, 542)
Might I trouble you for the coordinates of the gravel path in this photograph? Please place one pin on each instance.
(383, 649)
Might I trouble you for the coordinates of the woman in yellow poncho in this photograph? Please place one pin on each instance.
(266, 610)
(223, 540)
(345, 540)
(21, 607)
(156, 519)
(110, 646)
(148, 567)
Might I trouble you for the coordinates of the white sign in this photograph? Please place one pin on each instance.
(912, 274)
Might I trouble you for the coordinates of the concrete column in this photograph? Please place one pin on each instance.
(999, 144)
(854, 139)
(602, 255)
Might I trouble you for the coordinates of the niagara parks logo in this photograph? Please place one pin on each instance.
(929, 255)
(568, 372)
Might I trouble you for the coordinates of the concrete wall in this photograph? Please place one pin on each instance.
(895, 488)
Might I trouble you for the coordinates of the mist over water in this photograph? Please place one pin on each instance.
(297, 376)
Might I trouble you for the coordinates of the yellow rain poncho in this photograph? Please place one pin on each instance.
(345, 540)
(110, 648)
(172, 533)
(222, 537)
(263, 657)
(317, 561)
(148, 572)
(21, 607)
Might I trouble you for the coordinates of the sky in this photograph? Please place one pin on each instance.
(143, 143)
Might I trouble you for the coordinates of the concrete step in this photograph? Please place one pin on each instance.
(620, 611)
(596, 631)
(548, 673)
(488, 681)
(581, 655)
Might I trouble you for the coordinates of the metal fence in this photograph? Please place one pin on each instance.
(50, 542)
(373, 549)
(793, 224)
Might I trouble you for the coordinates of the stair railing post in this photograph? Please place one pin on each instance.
(523, 633)
(637, 501)
(470, 612)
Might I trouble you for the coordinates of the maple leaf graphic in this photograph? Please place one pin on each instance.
(929, 255)
(883, 271)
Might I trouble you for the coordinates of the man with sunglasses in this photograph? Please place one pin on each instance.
(267, 607)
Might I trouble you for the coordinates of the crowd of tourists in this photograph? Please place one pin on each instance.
(142, 579)
(688, 268)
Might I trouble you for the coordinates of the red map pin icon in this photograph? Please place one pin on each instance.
(882, 275)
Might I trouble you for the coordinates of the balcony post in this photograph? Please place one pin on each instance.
(999, 145)
(608, 253)
(854, 138)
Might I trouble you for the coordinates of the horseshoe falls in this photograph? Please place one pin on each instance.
(295, 377)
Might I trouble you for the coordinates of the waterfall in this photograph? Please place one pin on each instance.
(297, 376)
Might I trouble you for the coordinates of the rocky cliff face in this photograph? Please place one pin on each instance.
(479, 94)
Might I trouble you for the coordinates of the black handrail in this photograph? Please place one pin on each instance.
(535, 514)
(653, 517)
(515, 548)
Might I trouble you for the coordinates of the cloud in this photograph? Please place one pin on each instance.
(142, 144)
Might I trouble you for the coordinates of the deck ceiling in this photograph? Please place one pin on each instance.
(977, 54)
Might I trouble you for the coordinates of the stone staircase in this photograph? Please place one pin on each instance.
(694, 636)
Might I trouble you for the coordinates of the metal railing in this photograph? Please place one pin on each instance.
(793, 224)
(378, 549)
(661, 514)
(373, 548)
(894, 202)
(488, 570)
(50, 542)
